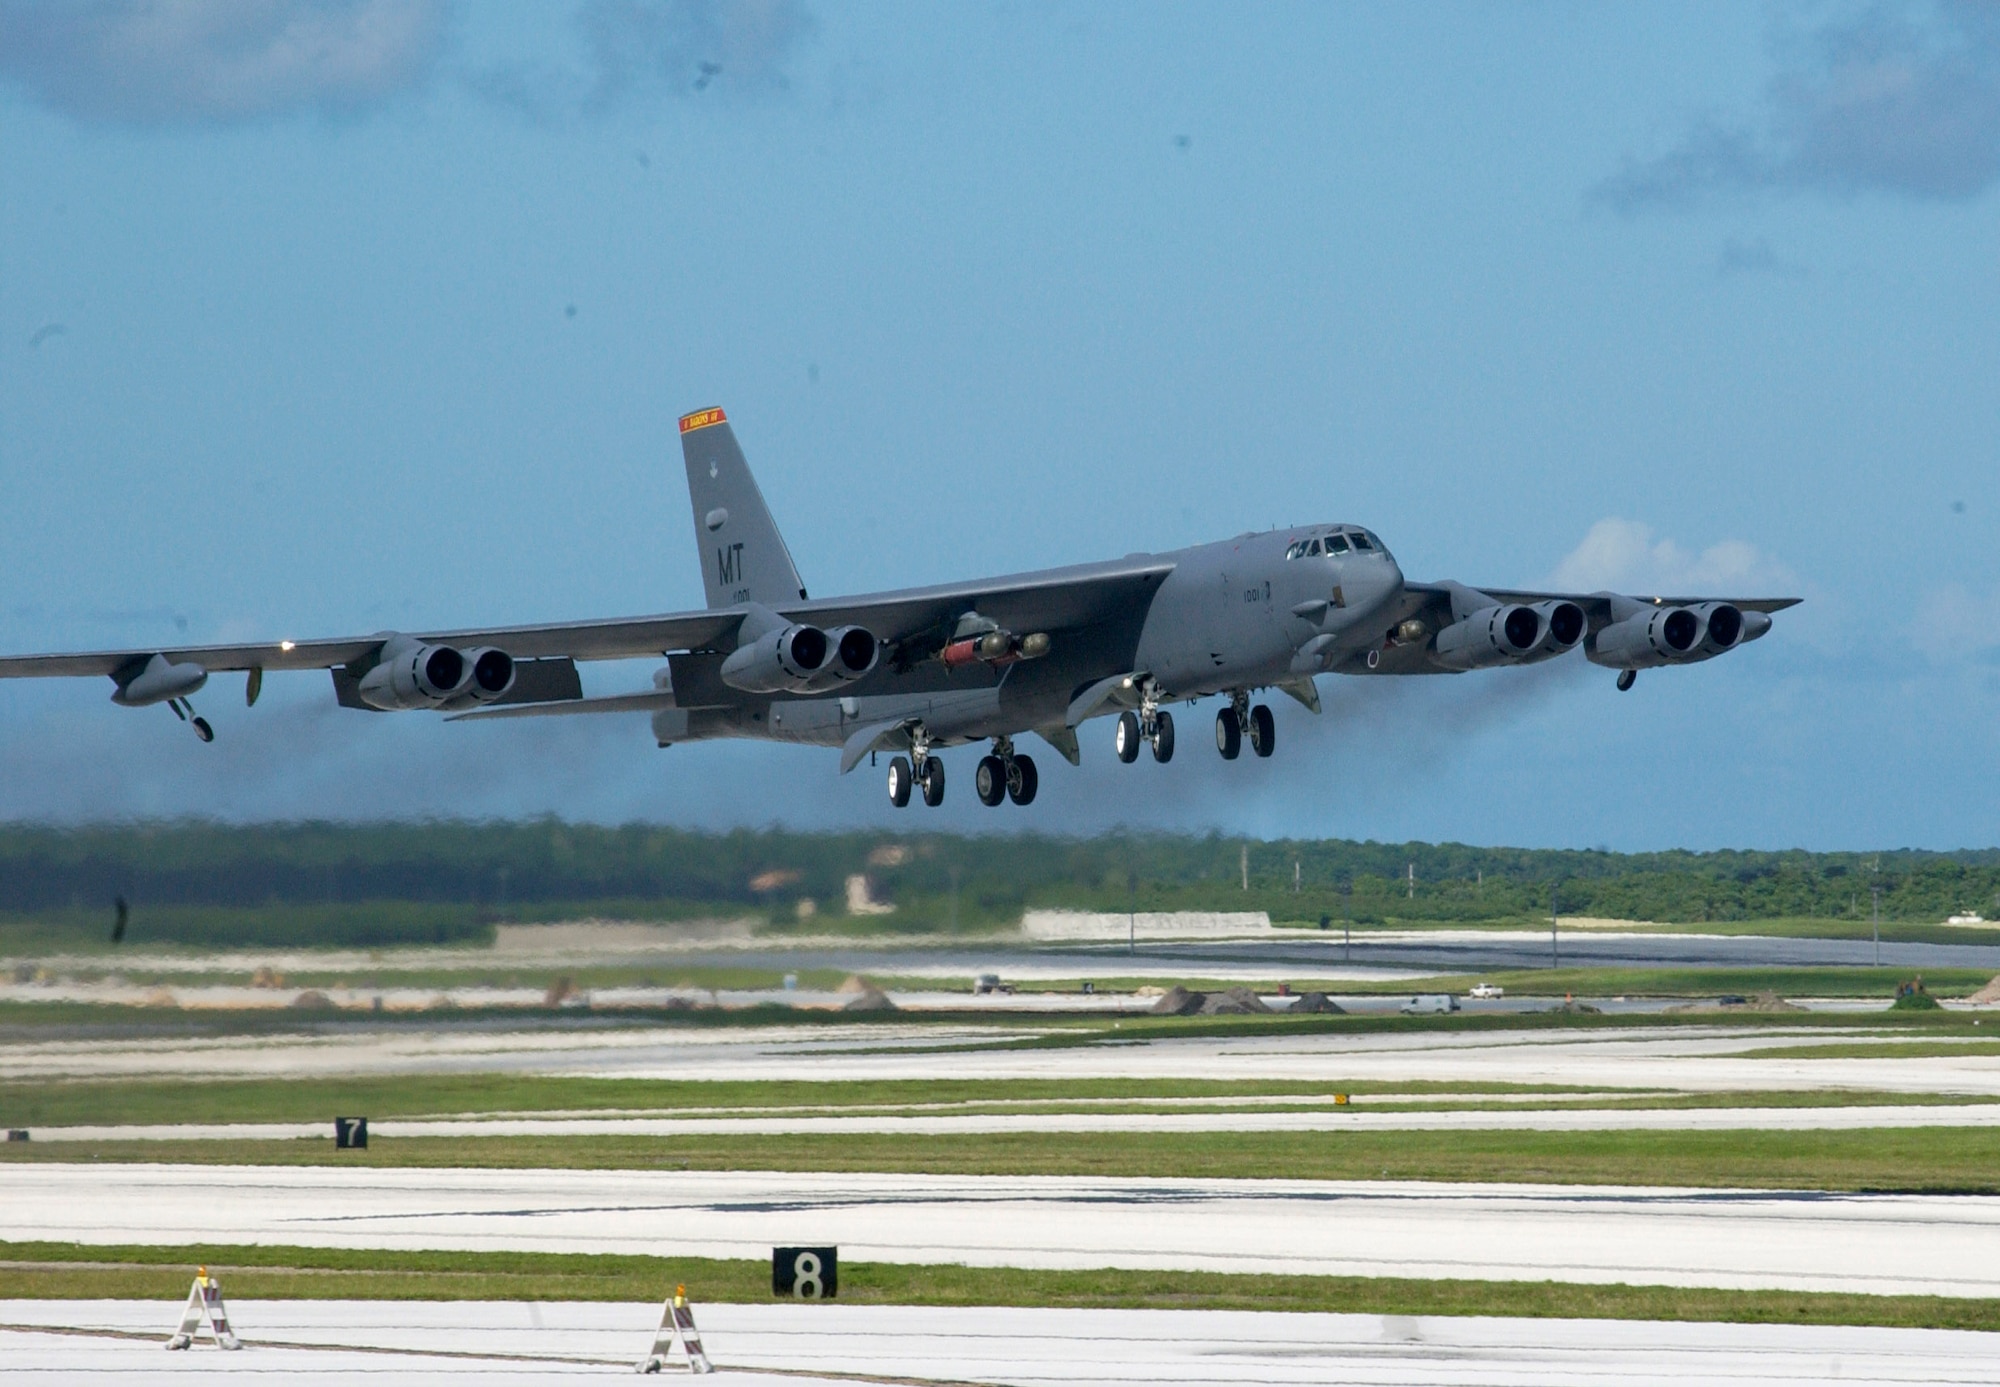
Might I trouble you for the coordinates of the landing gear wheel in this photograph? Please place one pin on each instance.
(1263, 731)
(1228, 734)
(1022, 780)
(933, 781)
(989, 782)
(1627, 678)
(1128, 737)
(900, 781)
(203, 730)
(1163, 736)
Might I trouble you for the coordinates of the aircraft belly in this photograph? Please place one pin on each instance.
(1211, 628)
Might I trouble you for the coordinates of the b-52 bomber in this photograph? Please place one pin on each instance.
(915, 671)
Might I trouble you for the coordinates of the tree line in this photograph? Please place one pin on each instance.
(385, 882)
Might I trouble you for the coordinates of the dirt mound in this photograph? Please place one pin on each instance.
(310, 1000)
(1178, 1001)
(1237, 1001)
(1572, 1007)
(1987, 995)
(1320, 1003)
(872, 998)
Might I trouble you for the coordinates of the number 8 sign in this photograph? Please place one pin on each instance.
(805, 1273)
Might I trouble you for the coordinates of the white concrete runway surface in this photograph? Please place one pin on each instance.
(1684, 1058)
(1866, 1244)
(448, 1342)
(1351, 1118)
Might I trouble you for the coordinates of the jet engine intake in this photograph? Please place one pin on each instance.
(411, 675)
(1492, 636)
(1563, 625)
(1675, 635)
(1721, 627)
(492, 674)
(852, 653)
(786, 660)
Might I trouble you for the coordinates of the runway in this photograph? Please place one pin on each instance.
(1351, 1118)
(416, 1342)
(1868, 1244)
(419, 1343)
(1680, 1058)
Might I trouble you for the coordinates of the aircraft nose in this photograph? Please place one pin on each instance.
(1385, 584)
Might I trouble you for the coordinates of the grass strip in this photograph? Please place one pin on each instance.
(1929, 1160)
(70, 1271)
(67, 1102)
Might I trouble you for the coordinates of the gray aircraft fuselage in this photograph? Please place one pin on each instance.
(1223, 619)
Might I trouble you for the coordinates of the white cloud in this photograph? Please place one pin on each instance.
(187, 62)
(1623, 556)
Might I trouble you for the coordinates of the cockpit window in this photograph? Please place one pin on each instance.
(1336, 544)
(1312, 545)
(1361, 541)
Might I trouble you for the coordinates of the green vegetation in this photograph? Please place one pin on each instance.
(73, 1271)
(63, 1102)
(67, 1103)
(1936, 1160)
(375, 884)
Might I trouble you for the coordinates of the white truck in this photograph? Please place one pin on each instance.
(1430, 1004)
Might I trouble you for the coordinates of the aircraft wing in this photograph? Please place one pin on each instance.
(1055, 599)
(1432, 604)
(585, 640)
(1597, 605)
(1052, 600)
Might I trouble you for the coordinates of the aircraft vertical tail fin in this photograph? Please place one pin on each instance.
(743, 557)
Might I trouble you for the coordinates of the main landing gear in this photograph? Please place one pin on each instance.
(1238, 718)
(1151, 723)
(1626, 679)
(184, 710)
(926, 775)
(1005, 775)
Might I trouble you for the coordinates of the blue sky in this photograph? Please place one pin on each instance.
(323, 316)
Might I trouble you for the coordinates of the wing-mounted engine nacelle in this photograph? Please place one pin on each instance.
(1498, 635)
(851, 654)
(785, 660)
(1675, 635)
(492, 675)
(412, 675)
(1563, 625)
